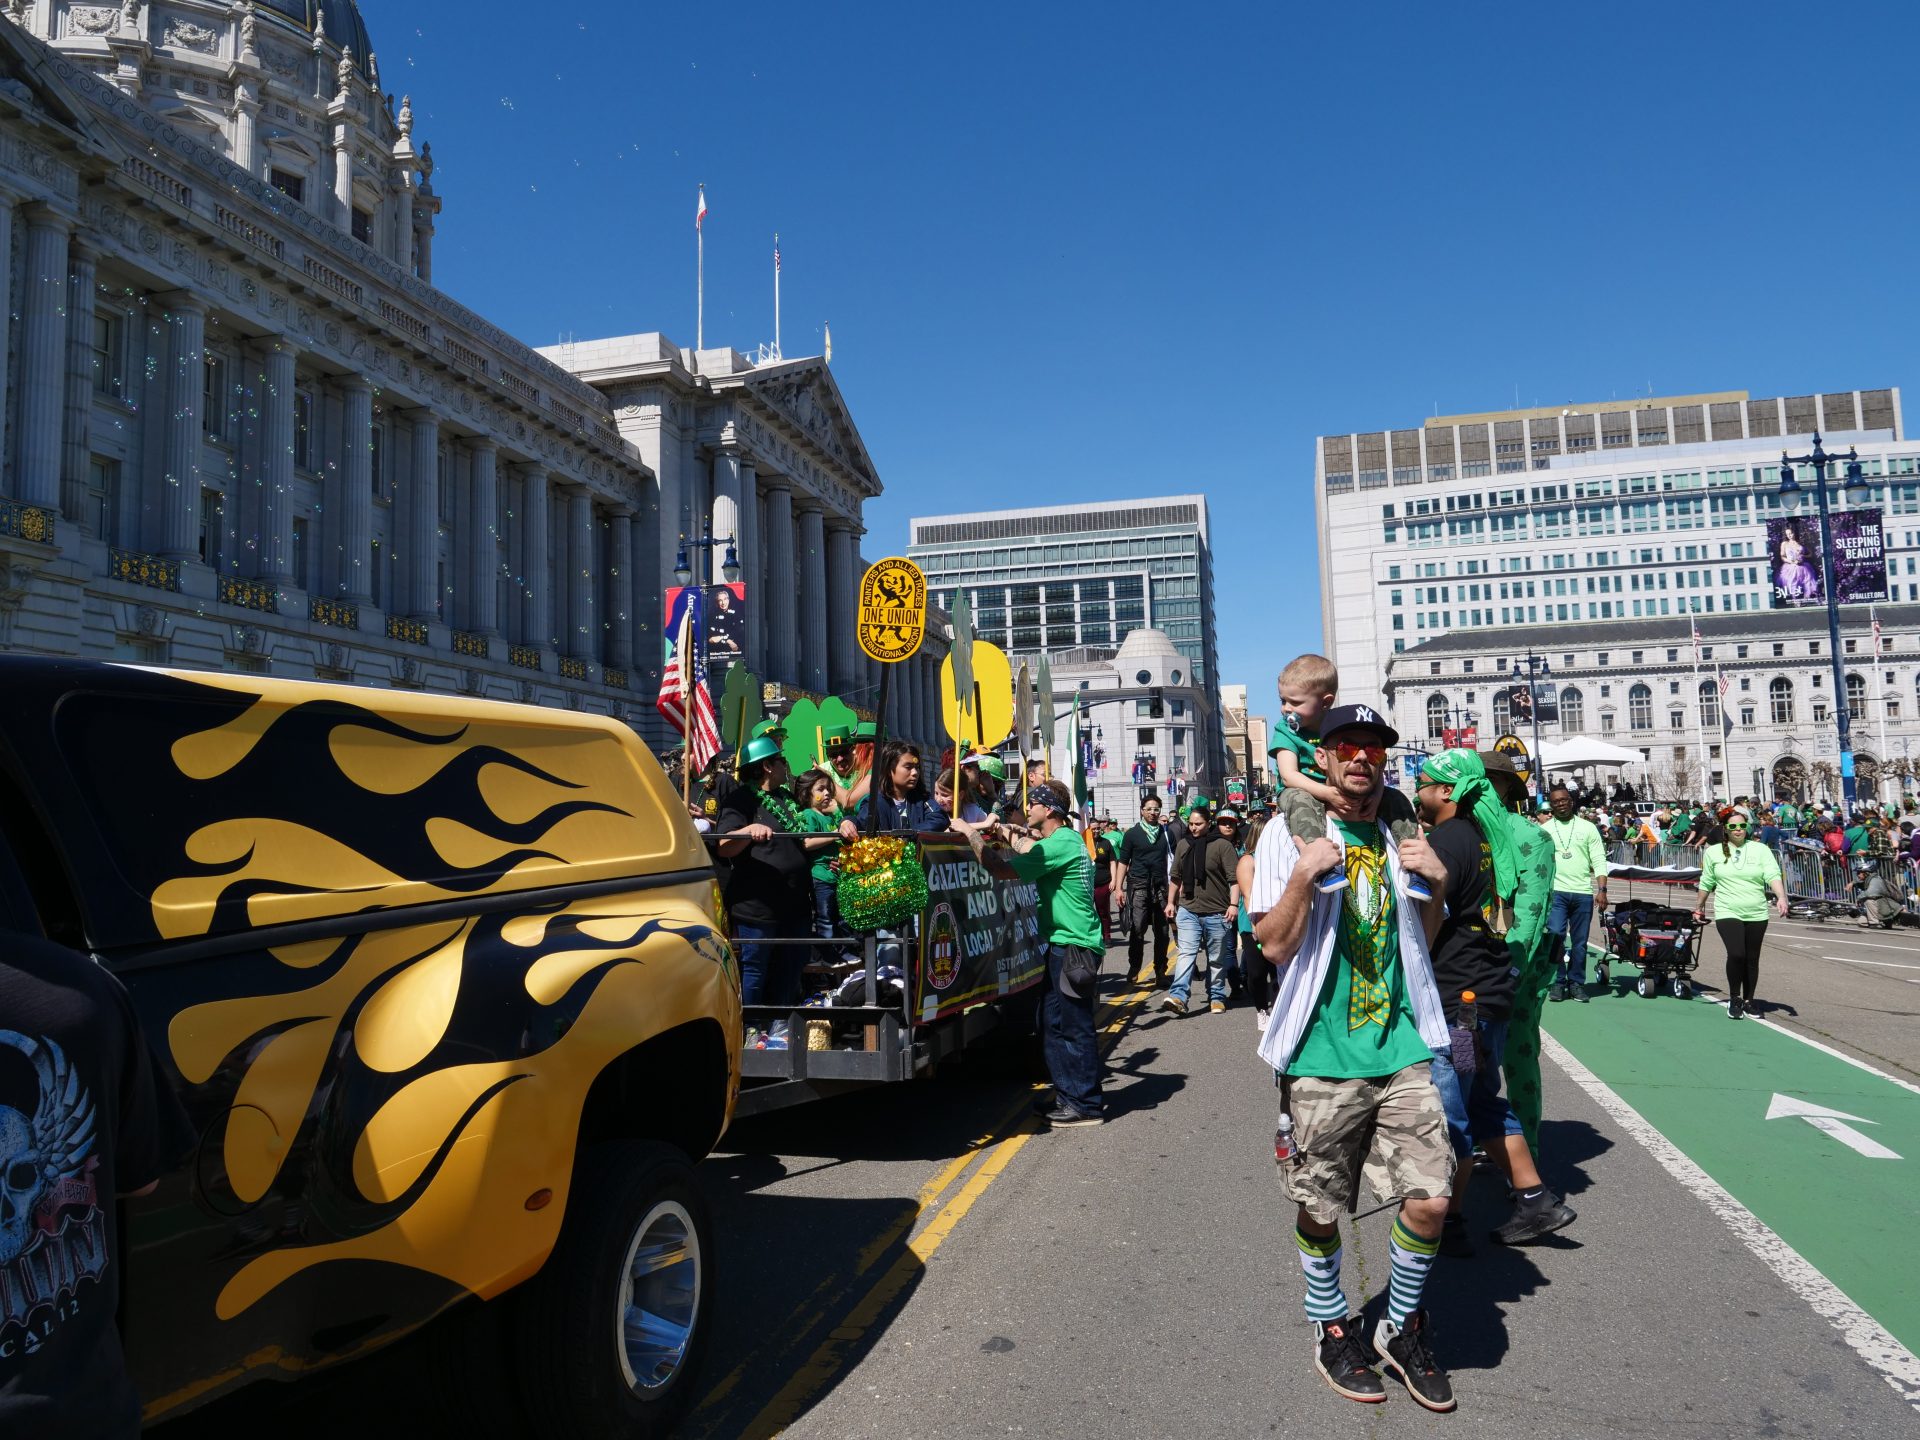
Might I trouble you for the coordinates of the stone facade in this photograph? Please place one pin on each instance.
(243, 431)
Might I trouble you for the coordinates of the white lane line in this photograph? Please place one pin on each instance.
(1780, 1029)
(1883, 964)
(1867, 1337)
(1866, 944)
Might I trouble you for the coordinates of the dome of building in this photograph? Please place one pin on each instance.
(1145, 645)
(343, 23)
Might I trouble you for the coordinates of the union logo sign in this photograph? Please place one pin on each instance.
(893, 610)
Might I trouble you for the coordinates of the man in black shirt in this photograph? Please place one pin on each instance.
(85, 1115)
(1143, 889)
(1456, 800)
(769, 890)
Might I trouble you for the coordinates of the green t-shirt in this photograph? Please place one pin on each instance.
(818, 822)
(1578, 854)
(1739, 881)
(1063, 870)
(1302, 746)
(1361, 1024)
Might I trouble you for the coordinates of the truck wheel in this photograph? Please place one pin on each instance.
(612, 1328)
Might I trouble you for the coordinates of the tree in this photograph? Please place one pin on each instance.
(1825, 777)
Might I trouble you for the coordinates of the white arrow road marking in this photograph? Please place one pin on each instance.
(1833, 1122)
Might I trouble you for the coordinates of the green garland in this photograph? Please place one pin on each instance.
(783, 808)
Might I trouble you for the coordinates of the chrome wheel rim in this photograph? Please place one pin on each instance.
(659, 1298)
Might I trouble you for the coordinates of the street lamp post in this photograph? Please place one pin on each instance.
(1819, 459)
(683, 563)
(1537, 663)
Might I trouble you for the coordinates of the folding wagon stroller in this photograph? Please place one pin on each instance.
(1662, 940)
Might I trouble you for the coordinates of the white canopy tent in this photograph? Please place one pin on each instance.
(1580, 751)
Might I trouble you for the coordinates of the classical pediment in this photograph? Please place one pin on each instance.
(803, 395)
(27, 83)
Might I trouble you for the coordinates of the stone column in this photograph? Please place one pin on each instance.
(343, 173)
(536, 585)
(903, 703)
(583, 634)
(246, 127)
(277, 367)
(354, 580)
(726, 518)
(813, 600)
(845, 658)
(423, 517)
(82, 260)
(7, 202)
(620, 592)
(483, 541)
(750, 568)
(43, 360)
(777, 606)
(179, 500)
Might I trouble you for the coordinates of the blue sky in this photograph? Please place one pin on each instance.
(1073, 251)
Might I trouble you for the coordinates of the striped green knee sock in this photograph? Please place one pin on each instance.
(1320, 1259)
(1412, 1258)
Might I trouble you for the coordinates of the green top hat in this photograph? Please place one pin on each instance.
(838, 735)
(768, 726)
(760, 747)
(866, 730)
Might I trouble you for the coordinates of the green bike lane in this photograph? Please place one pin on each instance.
(1709, 1084)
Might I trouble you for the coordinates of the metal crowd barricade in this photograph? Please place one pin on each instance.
(1809, 872)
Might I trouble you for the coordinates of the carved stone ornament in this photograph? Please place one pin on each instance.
(186, 35)
(336, 657)
(149, 620)
(92, 19)
(130, 16)
(283, 63)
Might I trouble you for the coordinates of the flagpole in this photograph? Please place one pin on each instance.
(776, 294)
(1699, 722)
(700, 274)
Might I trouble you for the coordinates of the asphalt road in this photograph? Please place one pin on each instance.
(921, 1261)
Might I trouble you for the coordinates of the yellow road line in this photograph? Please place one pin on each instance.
(827, 1360)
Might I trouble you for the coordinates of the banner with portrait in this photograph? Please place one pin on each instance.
(723, 616)
(1796, 575)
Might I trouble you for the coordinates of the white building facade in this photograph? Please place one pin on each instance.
(243, 430)
(1622, 511)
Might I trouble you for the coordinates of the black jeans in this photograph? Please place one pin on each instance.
(1146, 904)
(1742, 939)
(1072, 1050)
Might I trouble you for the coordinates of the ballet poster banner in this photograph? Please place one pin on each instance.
(1795, 574)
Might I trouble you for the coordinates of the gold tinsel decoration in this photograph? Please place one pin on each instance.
(882, 882)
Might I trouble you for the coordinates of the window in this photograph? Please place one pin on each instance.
(293, 186)
(108, 338)
(1573, 710)
(103, 499)
(303, 430)
(1709, 703)
(1436, 716)
(299, 558)
(1640, 708)
(213, 397)
(212, 509)
(1141, 737)
(1780, 700)
(376, 579)
(1856, 698)
(377, 458)
(363, 225)
(1606, 722)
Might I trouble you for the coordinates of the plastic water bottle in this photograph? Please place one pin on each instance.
(1283, 1139)
(1460, 1035)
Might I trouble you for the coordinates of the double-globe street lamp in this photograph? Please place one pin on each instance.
(1537, 664)
(1819, 459)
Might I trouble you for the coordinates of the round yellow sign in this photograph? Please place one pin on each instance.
(893, 609)
(986, 717)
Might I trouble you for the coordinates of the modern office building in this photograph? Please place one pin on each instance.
(1058, 578)
(1627, 510)
(1635, 684)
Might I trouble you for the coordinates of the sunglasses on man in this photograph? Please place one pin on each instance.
(1349, 751)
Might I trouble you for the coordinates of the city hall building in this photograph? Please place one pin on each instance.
(1627, 510)
(243, 430)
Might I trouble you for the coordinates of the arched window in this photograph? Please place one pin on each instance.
(1573, 710)
(1436, 716)
(1780, 699)
(1502, 711)
(1856, 698)
(1640, 708)
(1709, 704)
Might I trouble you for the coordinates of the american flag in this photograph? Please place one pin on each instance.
(776, 252)
(1726, 720)
(1696, 642)
(679, 685)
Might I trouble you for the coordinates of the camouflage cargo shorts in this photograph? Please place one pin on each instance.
(1394, 1125)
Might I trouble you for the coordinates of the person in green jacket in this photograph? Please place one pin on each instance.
(1527, 943)
(1738, 873)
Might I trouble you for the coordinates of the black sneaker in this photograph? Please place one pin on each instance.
(1454, 1239)
(1543, 1215)
(1404, 1355)
(1557, 991)
(1579, 992)
(1735, 1009)
(1063, 1118)
(1342, 1359)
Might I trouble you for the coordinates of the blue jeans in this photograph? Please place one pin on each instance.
(826, 908)
(1481, 1113)
(1568, 919)
(1073, 1057)
(1191, 933)
(769, 974)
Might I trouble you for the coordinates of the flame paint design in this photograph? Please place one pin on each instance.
(402, 1091)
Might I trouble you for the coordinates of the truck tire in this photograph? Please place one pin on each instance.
(612, 1329)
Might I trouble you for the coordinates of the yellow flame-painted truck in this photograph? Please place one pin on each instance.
(440, 986)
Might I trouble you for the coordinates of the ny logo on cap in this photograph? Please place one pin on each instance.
(1364, 714)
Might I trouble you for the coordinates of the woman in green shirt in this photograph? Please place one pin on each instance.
(1738, 872)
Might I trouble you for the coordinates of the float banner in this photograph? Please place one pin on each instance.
(979, 936)
(1795, 574)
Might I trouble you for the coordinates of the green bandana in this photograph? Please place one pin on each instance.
(1473, 792)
